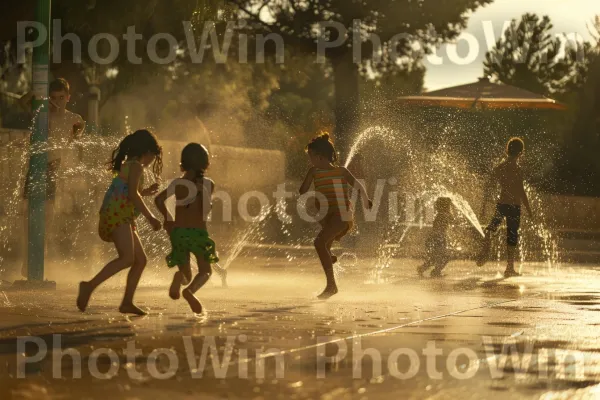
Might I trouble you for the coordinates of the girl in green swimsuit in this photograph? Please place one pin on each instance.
(187, 231)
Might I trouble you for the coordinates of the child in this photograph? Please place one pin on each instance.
(121, 206)
(512, 195)
(332, 183)
(436, 251)
(64, 126)
(188, 231)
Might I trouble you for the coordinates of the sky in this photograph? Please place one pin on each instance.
(568, 16)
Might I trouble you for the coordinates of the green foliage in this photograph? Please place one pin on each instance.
(531, 57)
(404, 80)
(300, 107)
(297, 22)
(579, 167)
(427, 21)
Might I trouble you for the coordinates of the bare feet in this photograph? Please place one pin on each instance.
(175, 289)
(327, 293)
(132, 309)
(83, 298)
(510, 273)
(194, 303)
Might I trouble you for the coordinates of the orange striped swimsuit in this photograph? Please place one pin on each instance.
(332, 184)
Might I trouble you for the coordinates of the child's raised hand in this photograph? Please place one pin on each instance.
(77, 129)
(155, 223)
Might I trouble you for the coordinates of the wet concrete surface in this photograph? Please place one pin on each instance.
(471, 334)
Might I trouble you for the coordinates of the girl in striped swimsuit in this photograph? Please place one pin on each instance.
(332, 185)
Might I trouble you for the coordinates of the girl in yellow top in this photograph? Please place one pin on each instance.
(332, 183)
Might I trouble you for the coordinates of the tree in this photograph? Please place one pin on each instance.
(579, 166)
(379, 94)
(298, 23)
(529, 56)
(301, 106)
(88, 18)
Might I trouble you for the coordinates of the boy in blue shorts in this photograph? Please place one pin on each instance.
(512, 195)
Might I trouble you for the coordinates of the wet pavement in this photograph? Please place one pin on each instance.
(386, 335)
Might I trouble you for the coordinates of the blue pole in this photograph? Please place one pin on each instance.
(38, 163)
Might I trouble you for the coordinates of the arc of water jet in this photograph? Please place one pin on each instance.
(381, 132)
(243, 239)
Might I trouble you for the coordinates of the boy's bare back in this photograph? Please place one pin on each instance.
(194, 214)
(508, 175)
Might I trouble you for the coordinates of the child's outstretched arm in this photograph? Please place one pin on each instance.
(310, 176)
(78, 127)
(160, 202)
(150, 191)
(135, 174)
(361, 188)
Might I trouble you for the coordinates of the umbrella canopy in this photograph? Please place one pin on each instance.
(484, 95)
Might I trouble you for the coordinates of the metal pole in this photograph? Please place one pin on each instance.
(38, 162)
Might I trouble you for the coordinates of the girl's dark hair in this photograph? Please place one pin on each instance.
(194, 158)
(323, 146)
(137, 144)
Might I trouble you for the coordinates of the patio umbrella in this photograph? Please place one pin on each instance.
(484, 95)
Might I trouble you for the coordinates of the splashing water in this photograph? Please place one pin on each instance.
(389, 136)
(348, 259)
(436, 173)
(428, 173)
(431, 175)
(71, 216)
(387, 251)
(4, 300)
(246, 236)
(537, 240)
(459, 202)
(547, 243)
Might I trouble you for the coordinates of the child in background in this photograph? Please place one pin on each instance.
(512, 194)
(332, 183)
(436, 250)
(187, 231)
(122, 205)
(64, 127)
